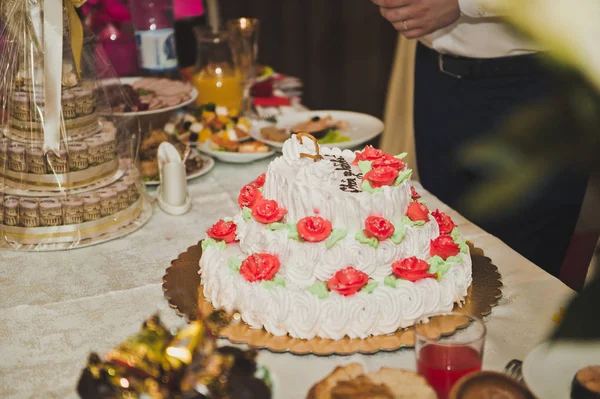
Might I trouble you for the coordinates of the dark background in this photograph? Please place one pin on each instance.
(341, 49)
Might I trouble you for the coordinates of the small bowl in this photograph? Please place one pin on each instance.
(488, 384)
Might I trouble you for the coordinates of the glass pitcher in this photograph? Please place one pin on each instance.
(216, 77)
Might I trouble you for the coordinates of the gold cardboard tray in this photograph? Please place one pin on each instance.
(181, 285)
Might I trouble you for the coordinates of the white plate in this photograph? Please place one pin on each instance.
(233, 157)
(549, 369)
(131, 81)
(208, 164)
(361, 127)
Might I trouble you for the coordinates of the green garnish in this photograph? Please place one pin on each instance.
(333, 136)
(144, 92)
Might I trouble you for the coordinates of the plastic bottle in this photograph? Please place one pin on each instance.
(155, 37)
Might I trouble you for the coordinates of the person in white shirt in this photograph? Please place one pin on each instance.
(472, 70)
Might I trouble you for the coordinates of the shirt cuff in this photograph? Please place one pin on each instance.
(475, 9)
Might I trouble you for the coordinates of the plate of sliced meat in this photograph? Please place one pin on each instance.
(147, 96)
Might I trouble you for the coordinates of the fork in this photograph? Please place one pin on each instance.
(514, 369)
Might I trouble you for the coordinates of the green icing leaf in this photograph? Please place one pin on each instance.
(364, 166)
(390, 281)
(401, 156)
(422, 201)
(277, 226)
(403, 176)
(439, 266)
(406, 220)
(464, 248)
(247, 213)
(455, 234)
(443, 269)
(260, 189)
(360, 237)
(454, 259)
(319, 290)
(290, 227)
(271, 284)
(399, 234)
(366, 187)
(279, 281)
(210, 242)
(434, 263)
(293, 232)
(370, 287)
(234, 264)
(335, 236)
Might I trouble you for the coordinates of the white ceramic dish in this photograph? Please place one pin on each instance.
(549, 369)
(132, 80)
(209, 163)
(233, 157)
(361, 127)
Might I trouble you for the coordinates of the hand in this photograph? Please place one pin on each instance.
(417, 18)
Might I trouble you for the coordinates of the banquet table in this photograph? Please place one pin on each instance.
(57, 307)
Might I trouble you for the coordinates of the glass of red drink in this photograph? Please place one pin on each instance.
(444, 360)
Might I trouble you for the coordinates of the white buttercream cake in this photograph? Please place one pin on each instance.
(331, 243)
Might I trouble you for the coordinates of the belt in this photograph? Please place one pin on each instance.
(463, 67)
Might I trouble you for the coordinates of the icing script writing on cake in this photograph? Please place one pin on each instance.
(351, 181)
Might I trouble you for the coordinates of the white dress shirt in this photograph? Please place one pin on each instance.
(479, 33)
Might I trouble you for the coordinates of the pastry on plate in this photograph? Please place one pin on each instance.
(586, 383)
(351, 382)
(253, 147)
(273, 133)
(318, 127)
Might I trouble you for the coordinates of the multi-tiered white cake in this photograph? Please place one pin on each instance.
(332, 243)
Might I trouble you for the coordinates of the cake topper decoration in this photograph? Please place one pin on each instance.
(317, 157)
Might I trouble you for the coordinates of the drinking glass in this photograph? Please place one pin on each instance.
(243, 39)
(444, 360)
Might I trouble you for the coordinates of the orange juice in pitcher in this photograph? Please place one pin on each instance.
(216, 85)
(216, 78)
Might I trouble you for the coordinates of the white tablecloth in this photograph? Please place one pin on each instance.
(57, 307)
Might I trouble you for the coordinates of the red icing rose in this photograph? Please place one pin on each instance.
(390, 161)
(314, 228)
(369, 154)
(383, 176)
(348, 281)
(417, 211)
(378, 227)
(414, 194)
(267, 211)
(224, 231)
(259, 267)
(249, 195)
(260, 180)
(446, 224)
(411, 269)
(444, 247)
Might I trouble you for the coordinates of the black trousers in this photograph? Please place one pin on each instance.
(450, 113)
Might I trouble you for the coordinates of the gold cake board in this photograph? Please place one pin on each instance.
(182, 289)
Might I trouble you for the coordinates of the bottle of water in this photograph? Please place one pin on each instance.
(155, 37)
